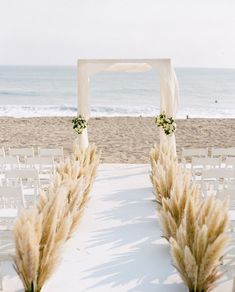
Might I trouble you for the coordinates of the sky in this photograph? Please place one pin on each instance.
(194, 33)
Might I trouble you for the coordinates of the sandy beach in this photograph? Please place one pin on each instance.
(121, 139)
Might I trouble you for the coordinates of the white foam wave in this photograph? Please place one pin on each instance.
(109, 111)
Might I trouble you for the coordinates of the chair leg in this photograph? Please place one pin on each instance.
(1, 279)
(233, 284)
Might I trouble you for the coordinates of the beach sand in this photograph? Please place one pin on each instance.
(121, 139)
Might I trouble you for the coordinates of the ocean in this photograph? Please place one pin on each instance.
(30, 91)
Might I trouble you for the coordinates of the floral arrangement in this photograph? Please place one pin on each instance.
(167, 124)
(79, 124)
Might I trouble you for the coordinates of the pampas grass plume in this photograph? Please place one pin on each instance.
(41, 233)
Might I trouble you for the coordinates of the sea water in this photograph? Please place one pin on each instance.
(27, 91)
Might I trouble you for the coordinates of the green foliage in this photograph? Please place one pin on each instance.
(79, 124)
(167, 124)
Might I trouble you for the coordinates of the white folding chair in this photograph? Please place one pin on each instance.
(223, 152)
(194, 152)
(22, 153)
(209, 187)
(7, 251)
(45, 167)
(218, 173)
(55, 153)
(231, 185)
(22, 173)
(2, 152)
(227, 194)
(201, 163)
(30, 182)
(229, 257)
(188, 153)
(43, 164)
(11, 197)
(230, 162)
(25, 152)
(9, 162)
(219, 178)
(11, 201)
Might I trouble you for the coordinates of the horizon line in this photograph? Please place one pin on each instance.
(75, 65)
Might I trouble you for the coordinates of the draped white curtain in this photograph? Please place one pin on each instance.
(168, 88)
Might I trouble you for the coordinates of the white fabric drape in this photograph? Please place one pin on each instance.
(169, 92)
(83, 101)
(168, 88)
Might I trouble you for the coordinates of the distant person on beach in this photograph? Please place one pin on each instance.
(187, 117)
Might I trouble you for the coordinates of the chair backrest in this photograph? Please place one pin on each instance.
(227, 194)
(2, 152)
(230, 162)
(198, 164)
(9, 162)
(22, 173)
(11, 197)
(218, 173)
(40, 162)
(231, 185)
(52, 152)
(205, 162)
(28, 176)
(196, 152)
(25, 152)
(209, 187)
(223, 152)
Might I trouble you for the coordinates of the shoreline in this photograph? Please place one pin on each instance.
(111, 117)
(121, 139)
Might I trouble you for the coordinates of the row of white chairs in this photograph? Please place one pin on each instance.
(229, 256)
(19, 189)
(188, 153)
(11, 197)
(27, 175)
(30, 181)
(12, 200)
(22, 175)
(214, 170)
(214, 179)
(30, 152)
(15, 194)
(40, 163)
(200, 164)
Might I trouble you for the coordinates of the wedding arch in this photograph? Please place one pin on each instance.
(168, 87)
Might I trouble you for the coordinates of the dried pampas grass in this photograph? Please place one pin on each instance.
(172, 212)
(200, 244)
(172, 187)
(159, 154)
(41, 232)
(78, 173)
(195, 228)
(164, 168)
(39, 238)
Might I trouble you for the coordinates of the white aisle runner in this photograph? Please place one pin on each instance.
(118, 245)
